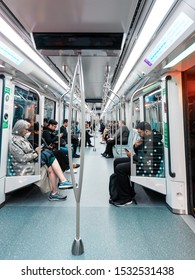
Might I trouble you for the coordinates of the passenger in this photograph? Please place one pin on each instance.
(105, 136)
(148, 155)
(102, 126)
(50, 135)
(51, 138)
(111, 141)
(23, 158)
(74, 137)
(88, 135)
(60, 156)
(77, 129)
(45, 123)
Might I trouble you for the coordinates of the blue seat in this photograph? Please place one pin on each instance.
(161, 171)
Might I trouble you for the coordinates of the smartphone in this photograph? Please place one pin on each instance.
(126, 150)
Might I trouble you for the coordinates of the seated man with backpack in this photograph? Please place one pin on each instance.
(148, 154)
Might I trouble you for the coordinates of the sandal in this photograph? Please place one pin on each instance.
(76, 165)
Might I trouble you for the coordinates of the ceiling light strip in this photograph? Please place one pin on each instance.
(12, 36)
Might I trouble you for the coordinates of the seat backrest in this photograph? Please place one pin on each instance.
(10, 169)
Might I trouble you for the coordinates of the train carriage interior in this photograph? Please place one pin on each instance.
(94, 62)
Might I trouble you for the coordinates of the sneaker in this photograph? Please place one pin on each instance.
(56, 196)
(121, 204)
(65, 185)
(68, 171)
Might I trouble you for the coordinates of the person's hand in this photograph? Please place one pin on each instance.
(61, 134)
(39, 149)
(128, 153)
(138, 143)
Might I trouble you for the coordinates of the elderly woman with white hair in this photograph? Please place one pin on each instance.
(23, 159)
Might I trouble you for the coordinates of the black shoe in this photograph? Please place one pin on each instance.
(109, 156)
(111, 202)
(76, 156)
(104, 154)
(90, 145)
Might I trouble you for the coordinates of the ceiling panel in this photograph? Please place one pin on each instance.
(78, 16)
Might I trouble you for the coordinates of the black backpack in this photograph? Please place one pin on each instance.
(113, 187)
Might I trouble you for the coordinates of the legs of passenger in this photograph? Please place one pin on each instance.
(109, 146)
(58, 171)
(126, 188)
(120, 160)
(54, 195)
(75, 150)
(123, 173)
(52, 178)
(88, 140)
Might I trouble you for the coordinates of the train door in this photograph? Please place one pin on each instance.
(147, 106)
(188, 79)
(174, 143)
(6, 97)
(2, 173)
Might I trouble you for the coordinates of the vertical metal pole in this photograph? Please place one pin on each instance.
(77, 246)
(60, 114)
(93, 122)
(120, 116)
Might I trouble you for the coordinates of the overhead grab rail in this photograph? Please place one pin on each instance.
(172, 174)
(77, 246)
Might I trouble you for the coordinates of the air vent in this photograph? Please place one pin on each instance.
(78, 41)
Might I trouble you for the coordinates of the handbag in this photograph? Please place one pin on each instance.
(44, 182)
(74, 139)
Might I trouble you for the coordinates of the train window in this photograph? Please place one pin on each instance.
(150, 157)
(153, 110)
(26, 105)
(49, 109)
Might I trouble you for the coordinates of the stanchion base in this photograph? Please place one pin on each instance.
(77, 247)
(94, 149)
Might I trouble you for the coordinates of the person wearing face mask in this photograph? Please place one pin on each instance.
(22, 154)
(27, 135)
(23, 158)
